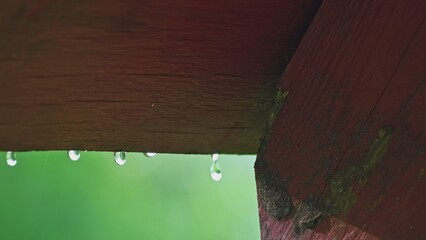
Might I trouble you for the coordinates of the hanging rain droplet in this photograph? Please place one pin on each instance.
(215, 156)
(74, 155)
(11, 159)
(120, 158)
(215, 171)
(150, 154)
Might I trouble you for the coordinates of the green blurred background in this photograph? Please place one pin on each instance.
(48, 196)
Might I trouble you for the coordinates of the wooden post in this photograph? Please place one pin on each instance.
(168, 76)
(346, 155)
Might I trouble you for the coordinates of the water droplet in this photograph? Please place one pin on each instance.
(215, 171)
(11, 159)
(150, 154)
(215, 156)
(74, 155)
(120, 158)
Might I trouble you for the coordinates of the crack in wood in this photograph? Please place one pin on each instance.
(342, 196)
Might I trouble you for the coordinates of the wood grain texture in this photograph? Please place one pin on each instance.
(351, 132)
(167, 76)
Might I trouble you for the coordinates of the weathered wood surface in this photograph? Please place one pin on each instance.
(350, 136)
(185, 76)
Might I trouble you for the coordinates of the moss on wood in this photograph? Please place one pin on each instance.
(342, 195)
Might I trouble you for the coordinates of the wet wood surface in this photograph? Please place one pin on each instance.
(350, 135)
(167, 76)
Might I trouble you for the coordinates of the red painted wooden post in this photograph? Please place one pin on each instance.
(181, 76)
(348, 145)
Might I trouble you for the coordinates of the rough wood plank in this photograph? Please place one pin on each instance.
(168, 76)
(351, 134)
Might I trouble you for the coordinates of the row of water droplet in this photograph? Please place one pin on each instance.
(120, 159)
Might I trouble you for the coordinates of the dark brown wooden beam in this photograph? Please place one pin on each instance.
(169, 76)
(346, 154)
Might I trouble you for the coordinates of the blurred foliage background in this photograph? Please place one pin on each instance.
(48, 196)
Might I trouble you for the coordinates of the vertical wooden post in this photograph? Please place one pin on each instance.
(348, 145)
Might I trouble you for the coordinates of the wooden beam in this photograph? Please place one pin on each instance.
(346, 154)
(168, 76)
